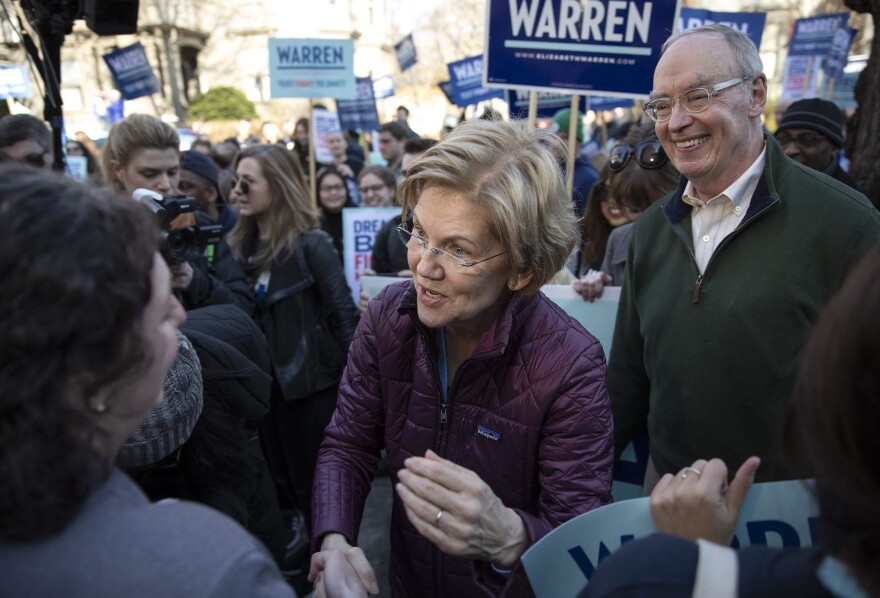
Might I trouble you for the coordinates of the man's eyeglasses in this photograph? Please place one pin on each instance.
(414, 243)
(649, 154)
(804, 140)
(242, 185)
(693, 100)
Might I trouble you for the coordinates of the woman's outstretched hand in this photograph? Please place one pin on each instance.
(340, 570)
(698, 503)
(456, 510)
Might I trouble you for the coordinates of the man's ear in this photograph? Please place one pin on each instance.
(758, 95)
(520, 280)
(213, 195)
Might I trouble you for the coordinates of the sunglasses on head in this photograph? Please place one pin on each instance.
(649, 155)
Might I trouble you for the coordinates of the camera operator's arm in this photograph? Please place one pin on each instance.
(227, 283)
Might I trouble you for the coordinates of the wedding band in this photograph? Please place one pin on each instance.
(438, 517)
(693, 470)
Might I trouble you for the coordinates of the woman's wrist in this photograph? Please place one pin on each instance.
(334, 541)
(519, 542)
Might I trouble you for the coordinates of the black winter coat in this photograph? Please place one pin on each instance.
(308, 316)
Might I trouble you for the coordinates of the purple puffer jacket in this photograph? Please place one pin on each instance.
(534, 387)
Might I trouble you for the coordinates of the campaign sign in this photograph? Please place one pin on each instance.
(844, 86)
(406, 52)
(14, 82)
(324, 122)
(750, 23)
(549, 103)
(132, 71)
(776, 514)
(811, 43)
(446, 88)
(383, 87)
(833, 64)
(466, 77)
(600, 103)
(359, 228)
(359, 114)
(602, 46)
(312, 68)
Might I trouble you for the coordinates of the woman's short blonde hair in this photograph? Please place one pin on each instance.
(512, 173)
(136, 132)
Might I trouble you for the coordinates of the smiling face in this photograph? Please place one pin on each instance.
(714, 147)
(258, 199)
(614, 213)
(331, 193)
(808, 147)
(374, 192)
(150, 168)
(465, 301)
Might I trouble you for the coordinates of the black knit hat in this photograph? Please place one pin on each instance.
(815, 114)
(201, 165)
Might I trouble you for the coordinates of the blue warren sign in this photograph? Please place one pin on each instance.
(359, 114)
(132, 71)
(446, 88)
(600, 46)
(312, 68)
(814, 36)
(406, 52)
(750, 23)
(14, 82)
(466, 77)
(549, 103)
(776, 514)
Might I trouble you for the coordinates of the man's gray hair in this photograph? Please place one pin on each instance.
(745, 52)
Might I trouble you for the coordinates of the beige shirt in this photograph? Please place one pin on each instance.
(713, 220)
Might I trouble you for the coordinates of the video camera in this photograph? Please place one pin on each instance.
(178, 245)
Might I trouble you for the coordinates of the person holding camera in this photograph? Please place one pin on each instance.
(142, 152)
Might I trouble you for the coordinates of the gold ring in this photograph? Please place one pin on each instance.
(438, 517)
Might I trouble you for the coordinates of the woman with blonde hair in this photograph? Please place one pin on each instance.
(304, 306)
(142, 152)
(489, 400)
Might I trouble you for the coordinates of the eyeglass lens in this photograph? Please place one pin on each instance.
(804, 140)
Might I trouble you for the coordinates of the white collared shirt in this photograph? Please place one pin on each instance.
(713, 220)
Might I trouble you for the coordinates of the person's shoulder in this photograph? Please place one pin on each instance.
(815, 190)
(657, 565)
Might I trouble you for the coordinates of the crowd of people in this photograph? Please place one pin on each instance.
(179, 326)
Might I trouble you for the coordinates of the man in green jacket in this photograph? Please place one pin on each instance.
(726, 276)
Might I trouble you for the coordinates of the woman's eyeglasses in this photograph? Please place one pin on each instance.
(649, 155)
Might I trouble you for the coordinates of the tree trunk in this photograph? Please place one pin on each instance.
(172, 70)
(863, 129)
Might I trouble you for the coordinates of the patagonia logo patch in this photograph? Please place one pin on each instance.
(487, 433)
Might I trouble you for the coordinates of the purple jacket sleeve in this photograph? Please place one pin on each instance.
(349, 454)
(575, 461)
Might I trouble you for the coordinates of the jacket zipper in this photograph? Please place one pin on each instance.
(698, 284)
